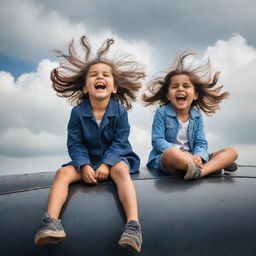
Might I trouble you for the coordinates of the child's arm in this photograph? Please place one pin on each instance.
(76, 148)
(118, 148)
(200, 143)
(159, 141)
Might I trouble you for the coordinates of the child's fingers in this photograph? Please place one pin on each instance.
(101, 176)
(98, 175)
(89, 178)
(198, 163)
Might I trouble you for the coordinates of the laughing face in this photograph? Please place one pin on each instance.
(181, 93)
(99, 82)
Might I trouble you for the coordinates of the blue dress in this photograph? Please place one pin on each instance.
(89, 143)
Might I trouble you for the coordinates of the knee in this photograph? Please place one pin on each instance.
(232, 151)
(62, 174)
(171, 154)
(119, 172)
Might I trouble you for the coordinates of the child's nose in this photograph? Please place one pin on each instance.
(100, 76)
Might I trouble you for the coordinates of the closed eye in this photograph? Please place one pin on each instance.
(173, 85)
(92, 74)
(186, 85)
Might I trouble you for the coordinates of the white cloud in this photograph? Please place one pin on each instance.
(33, 118)
(36, 31)
(13, 165)
(141, 142)
(33, 31)
(247, 154)
(23, 143)
(236, 120)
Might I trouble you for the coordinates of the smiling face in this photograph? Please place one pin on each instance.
(181, 93)
(99, 82)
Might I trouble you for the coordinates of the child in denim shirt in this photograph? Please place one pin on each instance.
(178, 137)
(98, 132)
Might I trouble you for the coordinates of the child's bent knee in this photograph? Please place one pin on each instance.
(232, 151)
(170, 152)
(63, 173)
(174, 154)
(120, 170)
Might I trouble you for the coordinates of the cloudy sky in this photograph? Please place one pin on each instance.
(33, 119)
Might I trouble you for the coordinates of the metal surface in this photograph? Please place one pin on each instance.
(212, 216)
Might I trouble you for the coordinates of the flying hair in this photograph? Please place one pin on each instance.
(201, 76)
(69, 78)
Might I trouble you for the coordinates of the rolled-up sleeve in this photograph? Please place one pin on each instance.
(159, 141)
(76, 148)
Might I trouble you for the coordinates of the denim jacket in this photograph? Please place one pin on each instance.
(165, 129)
(108, 143)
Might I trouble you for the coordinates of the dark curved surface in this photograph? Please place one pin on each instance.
(212, 216)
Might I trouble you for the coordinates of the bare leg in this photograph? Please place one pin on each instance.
(176, 160)
(59, 190)
(126, 191)
(219, 160)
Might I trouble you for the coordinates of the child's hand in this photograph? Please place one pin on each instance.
(102, 172)
(88, 174)
(198, 161)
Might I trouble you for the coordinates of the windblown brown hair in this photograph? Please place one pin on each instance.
(69, 78)
(209, 96)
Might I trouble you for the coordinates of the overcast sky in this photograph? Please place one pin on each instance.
(33, 119)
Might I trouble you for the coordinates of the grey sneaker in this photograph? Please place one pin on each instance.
(131, 235)
(193, 172)
(50, 231)
(231, 168)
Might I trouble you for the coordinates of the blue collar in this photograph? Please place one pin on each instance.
(112, 109)
(193, 113)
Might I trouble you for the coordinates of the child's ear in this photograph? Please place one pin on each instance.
(85, 90)
(196, 95)
(115, 89)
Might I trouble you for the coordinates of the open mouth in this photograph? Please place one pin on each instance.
(100, 86)
(180, 98)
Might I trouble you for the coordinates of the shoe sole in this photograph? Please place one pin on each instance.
(129, 242)
(50, 237)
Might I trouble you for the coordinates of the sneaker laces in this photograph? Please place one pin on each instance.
(131, 226)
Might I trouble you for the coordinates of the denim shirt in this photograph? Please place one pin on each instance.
(108, 143)
(165, 129)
